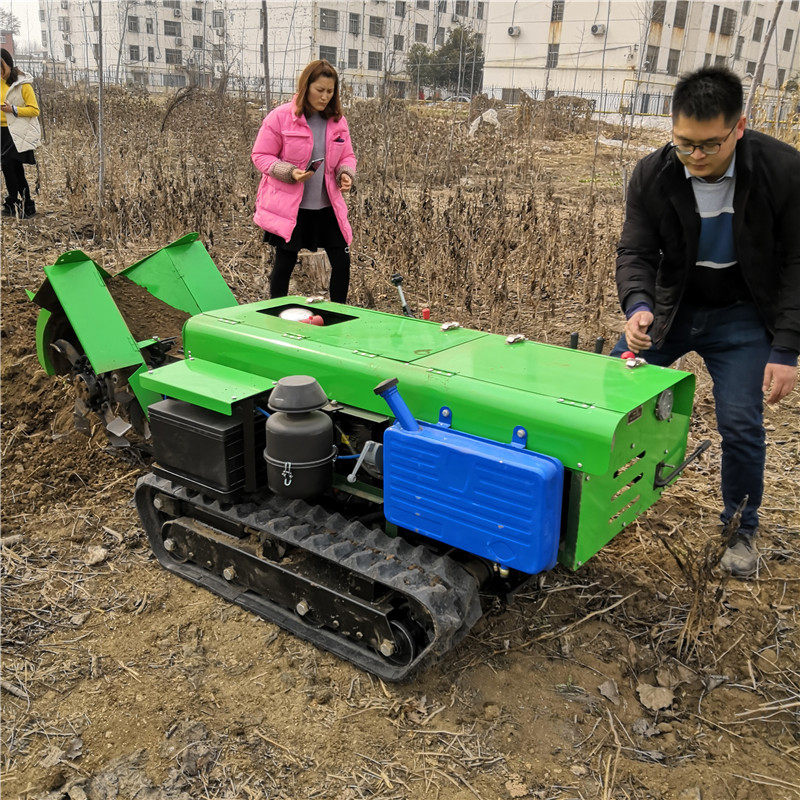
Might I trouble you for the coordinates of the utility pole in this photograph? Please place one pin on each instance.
(265, 47)
(751, 95)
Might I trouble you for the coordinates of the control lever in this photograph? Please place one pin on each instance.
(371, 454)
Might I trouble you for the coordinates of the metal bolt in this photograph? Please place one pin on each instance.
(579, 464)
(335, 623)
(209, 564)
(169, 545)
(302, 608)
(359, 635)
(387, 648)
(520, 433)
(445, 413)
(159, 503)
(229, 573)
(503, 572)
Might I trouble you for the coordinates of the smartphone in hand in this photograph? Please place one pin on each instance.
(315, 164)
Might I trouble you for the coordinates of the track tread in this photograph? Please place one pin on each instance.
(437, 583)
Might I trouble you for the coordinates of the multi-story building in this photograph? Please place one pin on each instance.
(184, 42)
(625, 52)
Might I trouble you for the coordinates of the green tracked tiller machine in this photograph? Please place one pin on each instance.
(357, 477)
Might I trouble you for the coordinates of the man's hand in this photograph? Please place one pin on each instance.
(779, 380)
(636, 331)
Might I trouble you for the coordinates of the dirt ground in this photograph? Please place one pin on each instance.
(647, 674)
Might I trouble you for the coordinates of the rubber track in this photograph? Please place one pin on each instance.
(439, 584)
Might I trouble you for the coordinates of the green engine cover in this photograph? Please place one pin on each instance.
(614, 428)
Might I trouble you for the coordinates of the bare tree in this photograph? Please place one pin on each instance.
(748, 106)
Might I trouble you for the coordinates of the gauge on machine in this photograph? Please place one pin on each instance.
(664, 404)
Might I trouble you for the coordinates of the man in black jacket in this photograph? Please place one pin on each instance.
(709, 261)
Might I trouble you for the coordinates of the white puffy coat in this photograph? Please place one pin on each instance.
(25, 131)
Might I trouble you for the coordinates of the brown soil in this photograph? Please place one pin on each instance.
(644, 675)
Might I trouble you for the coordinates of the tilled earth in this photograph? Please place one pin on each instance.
(647, 674)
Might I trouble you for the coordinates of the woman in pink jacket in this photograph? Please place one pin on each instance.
(306, 158)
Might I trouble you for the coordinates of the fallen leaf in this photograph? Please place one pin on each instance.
(610, 691)
(96, 555)
(655, 697)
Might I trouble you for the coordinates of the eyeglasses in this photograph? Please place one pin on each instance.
(707, 149)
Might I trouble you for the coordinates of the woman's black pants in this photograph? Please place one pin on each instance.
(284, 265)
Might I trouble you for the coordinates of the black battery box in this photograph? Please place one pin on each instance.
(208, 451)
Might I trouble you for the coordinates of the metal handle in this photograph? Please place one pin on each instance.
(660, 481)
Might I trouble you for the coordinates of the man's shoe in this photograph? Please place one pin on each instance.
(741, 557)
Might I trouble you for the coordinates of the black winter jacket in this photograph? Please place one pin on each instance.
(659, 241)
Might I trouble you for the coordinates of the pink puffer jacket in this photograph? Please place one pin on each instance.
(286, 137)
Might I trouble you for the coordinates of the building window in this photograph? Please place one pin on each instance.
(787, 39)
(133, 24)
(217, 19)
(510, 96)
(758, 29)
(197, 42)
(745, 8)
(172, 3)
(651, 59)
(328, 54)
(151, 54)
(217, 52)
(398, 42)
(557, 11)
(781, 76)
(728, 22)
(439, 37)
(719, 61)
(707, 60)
(172, 28)
(681, 13)
(659, 12)
(424, 5)
(714, 17)
(174, 80)
(197, 14)
(41, 15)
(399, 8)
(376, 26)
(552, 56)
(672, 62)
(354, 25)
(441, 6)
(67, 50)
(63, 24)
(172, 56)
(750, 68)
(96, 51)
(462, 8)
(352, 59)
(375, 60)
(737, 53)
(479, 9)
(95, 23)
(148, 25)
(328, 19)
(794, 5)
(421, 33)
(370, 90)
(44, 38)
(133, 52)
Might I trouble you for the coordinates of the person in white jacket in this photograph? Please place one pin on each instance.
(21, 135)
